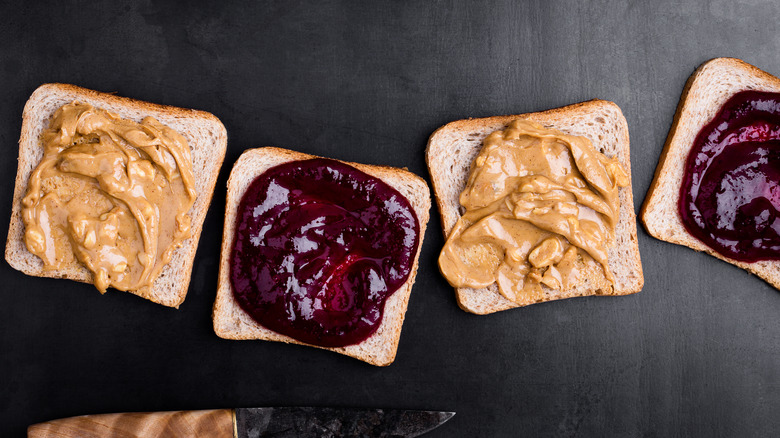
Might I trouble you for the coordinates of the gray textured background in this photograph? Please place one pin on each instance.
(696, 353)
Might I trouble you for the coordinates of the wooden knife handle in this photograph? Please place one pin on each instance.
(216, 423)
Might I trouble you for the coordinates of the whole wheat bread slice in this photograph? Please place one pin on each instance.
(710, 86)
(205, 135)
(453, 147)
(231, 322)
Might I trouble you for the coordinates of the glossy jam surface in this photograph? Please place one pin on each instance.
(319, 247)
(730, 193)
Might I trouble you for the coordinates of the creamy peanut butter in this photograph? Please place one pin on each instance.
(540, 209)
(110, 193)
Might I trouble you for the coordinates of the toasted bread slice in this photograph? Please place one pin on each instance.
(708, 88)
(231, 322)
(453, 147)
(205, 135)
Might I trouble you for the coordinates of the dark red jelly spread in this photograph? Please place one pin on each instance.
(319, 246)
(730, 193)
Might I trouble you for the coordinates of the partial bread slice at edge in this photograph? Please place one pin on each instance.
(205, 135)
(453, 147)
(705, 92)
(231, 322)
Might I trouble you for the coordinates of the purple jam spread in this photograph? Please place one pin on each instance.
(730, 193)
(319, 247)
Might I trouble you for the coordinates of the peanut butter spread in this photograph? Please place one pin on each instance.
(110, 193)
(540, 209)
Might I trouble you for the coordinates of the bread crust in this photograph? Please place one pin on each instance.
(231, 322)
(705, 92)
(205, 135)
(452, 148)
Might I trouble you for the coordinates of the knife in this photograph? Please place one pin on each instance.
(279, 422)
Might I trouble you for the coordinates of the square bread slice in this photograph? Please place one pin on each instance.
(453, 147)
(231, 322)
(205, 135)
(708, 88)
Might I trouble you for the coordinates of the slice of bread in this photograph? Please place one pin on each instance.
(231, 322)
(453, 147)
(710, 86)
(205, 135)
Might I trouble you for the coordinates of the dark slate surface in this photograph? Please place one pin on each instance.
(696, 353)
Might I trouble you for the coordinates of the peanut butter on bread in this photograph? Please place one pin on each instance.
(111, 193)
(539, 206)
(453, 148)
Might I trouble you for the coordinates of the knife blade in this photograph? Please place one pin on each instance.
(277, 422)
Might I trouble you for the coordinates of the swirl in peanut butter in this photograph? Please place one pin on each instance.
(111, 194)
(540, 209)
